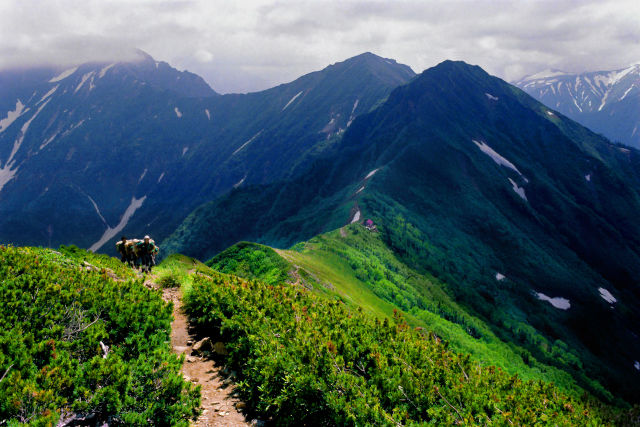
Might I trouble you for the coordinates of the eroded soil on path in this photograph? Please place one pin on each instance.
(220, 406)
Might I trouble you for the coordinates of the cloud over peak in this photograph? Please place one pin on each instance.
(255, 44)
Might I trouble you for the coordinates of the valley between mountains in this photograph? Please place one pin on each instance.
(363, 245)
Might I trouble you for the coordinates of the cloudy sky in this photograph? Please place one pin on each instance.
(251, 45)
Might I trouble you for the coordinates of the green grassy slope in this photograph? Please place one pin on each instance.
(357, 266)
(303, 358)
(58, 310)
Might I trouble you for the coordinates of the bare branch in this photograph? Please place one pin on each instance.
(462, 369)
(6, 372)
(447, 402)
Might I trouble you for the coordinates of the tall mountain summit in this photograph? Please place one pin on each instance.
(93, 151)
(608, 102)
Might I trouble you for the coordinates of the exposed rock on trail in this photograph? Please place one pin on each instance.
(219, 405)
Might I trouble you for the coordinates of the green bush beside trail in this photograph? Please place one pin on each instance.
(302, 359)
(55, 313)
(252, 260)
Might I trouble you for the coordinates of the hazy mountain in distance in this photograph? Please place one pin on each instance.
(607, 102)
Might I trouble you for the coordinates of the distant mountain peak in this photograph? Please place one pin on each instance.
(605, 101)
(369, 56)
(385, 68)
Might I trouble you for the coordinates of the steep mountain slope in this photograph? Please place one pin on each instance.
(526, 215)
(356, 266)
(607, 102)
(306, 359)
(103, 149)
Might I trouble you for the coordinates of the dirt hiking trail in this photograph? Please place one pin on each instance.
(220, 406)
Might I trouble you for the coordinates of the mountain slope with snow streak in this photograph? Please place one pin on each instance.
(465, 186)
(91, 130)
(608, 102)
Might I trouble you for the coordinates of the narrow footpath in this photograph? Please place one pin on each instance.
(220, 406)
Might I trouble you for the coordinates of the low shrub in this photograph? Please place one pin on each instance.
(75, 342)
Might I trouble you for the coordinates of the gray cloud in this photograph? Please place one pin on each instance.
(250, 45)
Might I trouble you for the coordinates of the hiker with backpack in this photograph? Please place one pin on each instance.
(124, 251)
(147, 251)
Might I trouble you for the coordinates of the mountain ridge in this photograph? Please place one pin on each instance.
(605, 101)
(119, 147)
(470, 179)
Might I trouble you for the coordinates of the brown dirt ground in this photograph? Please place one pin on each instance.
(220, 407)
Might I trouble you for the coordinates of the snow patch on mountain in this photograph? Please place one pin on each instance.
(329, 126)
(63, 75)
(48, 140)
(557, 302)
(518, 190)
(178, 113)
(356, 217)
(355, 105)
(95, 206)
(6, 175)
(580, 109)
(500, 277)
(246, 143)
(12, 115)
(239, 183)
(626, 92)
(495, 156)
(491, 97)
(104, 70)
(85, 77)
(73, 127)
(606, 295)
(110, 233)
(144, 172)
(604, 101)
(206, 111)
(48, 94)
(370, 174)
(292, 99)
(616, 76)
(23, 132)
